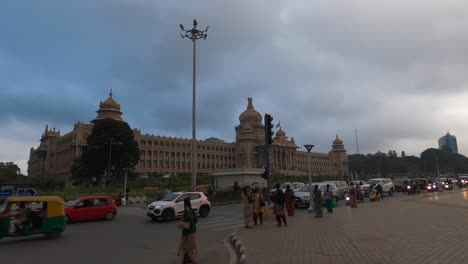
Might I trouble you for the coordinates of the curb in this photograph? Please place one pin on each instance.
(230, 250)
(226, 203)
(239, 249)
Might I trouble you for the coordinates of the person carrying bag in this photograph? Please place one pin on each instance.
(187, 252)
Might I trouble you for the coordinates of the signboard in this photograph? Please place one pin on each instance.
(6, 191)
(26, 192)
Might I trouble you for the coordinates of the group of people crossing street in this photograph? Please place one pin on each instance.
(254, 205)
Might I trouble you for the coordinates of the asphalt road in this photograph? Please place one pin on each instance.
(130, 238)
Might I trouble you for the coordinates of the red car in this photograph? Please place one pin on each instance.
(91, 208)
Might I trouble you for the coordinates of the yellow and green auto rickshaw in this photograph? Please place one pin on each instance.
(24, 216)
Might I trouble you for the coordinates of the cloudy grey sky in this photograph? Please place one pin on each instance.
(395, 70)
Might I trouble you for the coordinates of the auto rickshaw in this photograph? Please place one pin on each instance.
(32, 215)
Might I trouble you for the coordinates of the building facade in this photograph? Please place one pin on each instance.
(161, 154)
(448, 141)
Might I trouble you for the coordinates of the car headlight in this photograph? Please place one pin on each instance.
(158, 206)
(429, 187)
(408, 187)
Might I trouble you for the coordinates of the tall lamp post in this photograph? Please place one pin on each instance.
(438, 174)
(309, 148)
(194, 34)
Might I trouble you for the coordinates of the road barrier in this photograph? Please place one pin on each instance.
(239, 249)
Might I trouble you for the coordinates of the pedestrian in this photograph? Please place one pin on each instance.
(119, 199)
(188, 242)
(278, 206)
(258, 204)
(328, 196)
(127, 194)
(167, 192)
(247, 201)
(289, 199)
(318, 200)
(352, 195)
(380, 191)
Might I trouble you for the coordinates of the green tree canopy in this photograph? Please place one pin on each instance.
(108, 136)
(9, 169)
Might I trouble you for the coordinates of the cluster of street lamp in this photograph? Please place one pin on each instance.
(194, 34)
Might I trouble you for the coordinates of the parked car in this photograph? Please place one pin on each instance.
(91, 208)
(357, 182)
(303, 195)
(422, 183)
(295, 186)
(172, 206)
(399, 185)
(341, 188)
(386, 183)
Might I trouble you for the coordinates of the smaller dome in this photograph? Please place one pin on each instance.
(280, 133)
(337, 141)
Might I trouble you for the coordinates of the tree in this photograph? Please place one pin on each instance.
(111, 136)
(79, 171)
(403, 154)
(9, 169)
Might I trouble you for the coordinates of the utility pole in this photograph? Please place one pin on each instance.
(357, 142)
(194, 34)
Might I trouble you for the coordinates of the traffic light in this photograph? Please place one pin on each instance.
(269, 129)
(265, 174)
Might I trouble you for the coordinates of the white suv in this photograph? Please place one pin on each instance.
(172, 206)
(387, 185)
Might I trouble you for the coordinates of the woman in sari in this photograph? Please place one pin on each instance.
(278, 206)
(289, 199)
(258, 204)
(329, 197)
(188, 243)
(352, 196)
(247, 201)
(318, 200)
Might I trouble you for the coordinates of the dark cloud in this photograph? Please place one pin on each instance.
(395, 70)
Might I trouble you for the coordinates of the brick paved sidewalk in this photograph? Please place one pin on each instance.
(426, 228)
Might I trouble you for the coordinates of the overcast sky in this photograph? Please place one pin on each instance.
(394, 70)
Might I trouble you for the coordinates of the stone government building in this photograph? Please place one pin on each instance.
(53, 158)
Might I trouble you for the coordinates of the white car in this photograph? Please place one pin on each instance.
(303, 195)
(295, 186)
(172, 205)
(387, 185)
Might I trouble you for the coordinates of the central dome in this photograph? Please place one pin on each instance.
(109, 109)
(250, 115)
(109, 104)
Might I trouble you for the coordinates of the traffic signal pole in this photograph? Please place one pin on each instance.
(268, 142)
(267, 170)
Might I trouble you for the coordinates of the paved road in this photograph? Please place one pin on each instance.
(130, 237)
(405, 229)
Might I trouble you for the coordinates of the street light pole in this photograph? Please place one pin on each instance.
(438, 173)
(109, 162)
(309, 148)
(194, 34)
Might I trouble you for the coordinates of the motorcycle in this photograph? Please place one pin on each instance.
(412, 189)
(374, 195)
(433, 187)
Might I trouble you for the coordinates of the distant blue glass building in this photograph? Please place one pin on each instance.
(448, 141)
